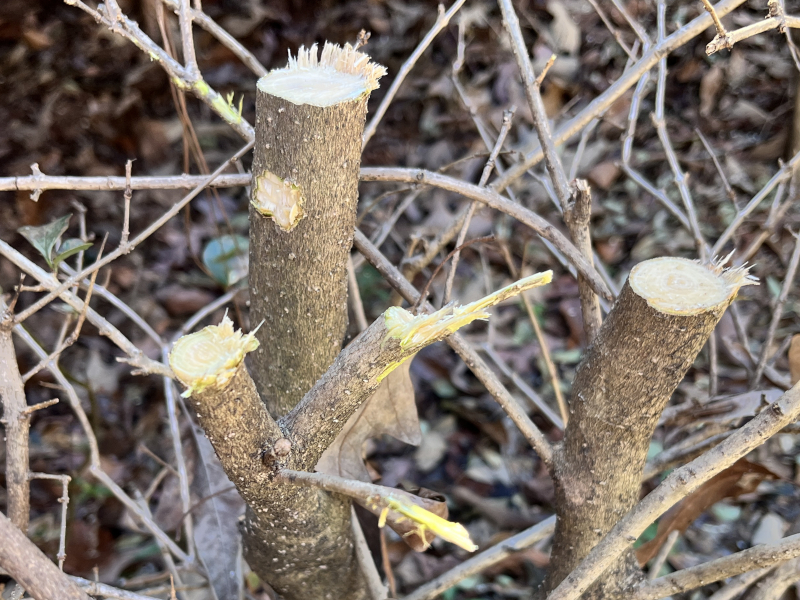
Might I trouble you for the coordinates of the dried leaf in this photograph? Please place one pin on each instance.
(216, 517)
(794, 359)
(566, 33)
(390, 410)
(710, 87)
(732, 408)
(740, 478)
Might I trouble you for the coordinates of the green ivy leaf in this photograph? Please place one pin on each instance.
(226, 258)
(67, 249)
(45, 237)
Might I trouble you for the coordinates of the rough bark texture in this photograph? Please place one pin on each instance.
(625, 380)
(301, 540)
(17, 424)
(577, 216)
(297, 539)
(31, 568)
(298, 278)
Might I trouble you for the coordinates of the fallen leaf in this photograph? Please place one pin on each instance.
(216, 517)
(740, 478)
(710, 87)
(604, 174)
(566, 33)
(390, 410)
(794, 359)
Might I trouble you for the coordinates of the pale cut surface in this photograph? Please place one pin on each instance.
(340, 74)
(679, 286)
(278, 199)
(210, 356)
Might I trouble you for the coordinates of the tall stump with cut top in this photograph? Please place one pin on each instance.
(662, 318)
(309, 122)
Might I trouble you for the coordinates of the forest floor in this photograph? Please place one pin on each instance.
(78, 100)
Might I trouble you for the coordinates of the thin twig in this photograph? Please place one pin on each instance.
(679, 484)
(472, 359)
(713, 367)
(552, 372)
(777, 311)
(662, 555)
(613, 30)
(354, 297)
(508, 115)
(751, 559)
(721, 32)
(737, 585)
(442, 20)
(628, 79)
(634, 24)
(680, 177)
(728, 189)
(187, 78)
(535, 398)
(126, 219)
(733, 37)
(777, 211)
(39, 182)
(374, 584)
(532, 86)
(95, 588)
(187, 39)
(64, 501)
(95, 467)
(125, 248)
(783, 175)
(494, 200)
(484, 560)
(223, 37)
(423, 295)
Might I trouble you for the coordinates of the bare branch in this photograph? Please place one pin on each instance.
(17, 424)
(757, 557)
(487, 171)
(31, 568)
(484, 560)
(442, 20)
(224, 38)
(777, 311)
(628, 79)
(493, 199)
(187, 79)
(39, 182)
(64, 502)
(661, 127)
(680, 483)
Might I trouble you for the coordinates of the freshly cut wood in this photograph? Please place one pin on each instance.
(309, 121)
(310, 117)
(660, 321)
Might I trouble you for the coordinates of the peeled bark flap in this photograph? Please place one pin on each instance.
(298, 282)
(625, 380)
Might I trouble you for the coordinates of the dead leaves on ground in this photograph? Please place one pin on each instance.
(740, 478)
(391, 410)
